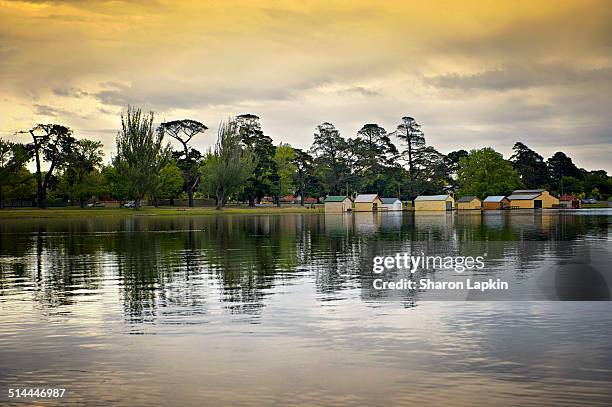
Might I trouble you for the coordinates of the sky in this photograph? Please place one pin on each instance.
(473, 73)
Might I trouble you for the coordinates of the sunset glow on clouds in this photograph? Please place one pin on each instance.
(473, 74)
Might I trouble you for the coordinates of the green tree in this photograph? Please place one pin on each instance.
(81, 173)
(530, 166)
(559, 166)
(13, 157)
(22, 186)
(451, 160)
(264, 178)
(373, 155)
(141, 154)
(51, 143)
(599, 180)
(228, 166)
(284, 157)
(188, 159)
(432, 178)
(329, 150)
(411, 135)
(572, 185)
(304, 179)
(425, 165)
(112, 183)
(169, 183)
(484, 172)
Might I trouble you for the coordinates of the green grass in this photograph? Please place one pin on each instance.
(34, 213)
(596, 205)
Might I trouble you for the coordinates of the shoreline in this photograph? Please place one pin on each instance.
(57, 213)
(75, 212)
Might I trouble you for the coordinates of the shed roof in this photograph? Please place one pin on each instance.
(431, 198)
(523, 197)
(390, 200)
(468, 198)
(568, 198)
(336, 198)
(494, 198)
(528, 191)
(366, 198)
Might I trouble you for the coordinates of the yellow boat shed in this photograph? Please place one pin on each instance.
(469, 202)
(368, 203)
(338, 204)
(434, 203)
(532, 199)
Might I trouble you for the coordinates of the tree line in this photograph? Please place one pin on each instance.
(245, 165)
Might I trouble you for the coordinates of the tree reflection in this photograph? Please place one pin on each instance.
(170, 269)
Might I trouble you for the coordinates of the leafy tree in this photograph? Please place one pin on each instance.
(411, 135)
(188, 159)
(21, 186)
(374, 156)
(13, 157)
(228, 166)
(91, 185)
(378, 147)
(284, 157)
(329, 150)
(432, 177)
(141, 154)
(169, 183)
(52, 143)
(451, 160)
(304, 178)
(81, 174)
(264, 178)
(599, 180)
(112, 186)
(485, 172)
(572, 185)
(559, 166)
(530, 166)
(425, 165)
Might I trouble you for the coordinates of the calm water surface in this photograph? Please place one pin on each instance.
(254, 310)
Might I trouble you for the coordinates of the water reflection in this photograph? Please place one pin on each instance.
(176, 263)
(239, 301)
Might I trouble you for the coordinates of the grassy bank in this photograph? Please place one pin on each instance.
(596, 205)
(34, 213)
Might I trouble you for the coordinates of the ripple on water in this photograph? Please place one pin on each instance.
(262, 310)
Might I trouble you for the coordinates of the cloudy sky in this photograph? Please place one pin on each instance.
(474, 74)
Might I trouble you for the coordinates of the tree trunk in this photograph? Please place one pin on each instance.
(42, 197)
(251, 201)
(1, 197)
(137, 204)
(302, 199)
(190, 194)
(82, 203)
(39, 184)
(220, 201)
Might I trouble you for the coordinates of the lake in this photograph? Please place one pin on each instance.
(278, 309)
